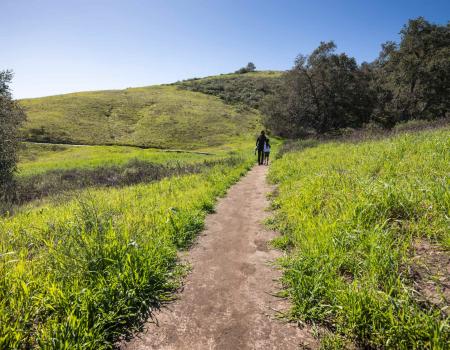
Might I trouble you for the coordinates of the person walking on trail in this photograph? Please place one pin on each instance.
(260, 142)
(266, 152)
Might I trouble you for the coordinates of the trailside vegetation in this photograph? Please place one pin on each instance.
(328, 91)
(50, 169)
(11, 117)
(81, 273)
(351, 215)
(59, 181)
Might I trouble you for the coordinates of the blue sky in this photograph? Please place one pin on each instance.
(59, 46)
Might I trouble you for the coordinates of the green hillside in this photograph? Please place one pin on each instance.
(248, 89)
(164, 116)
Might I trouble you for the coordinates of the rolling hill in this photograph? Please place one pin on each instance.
(181, 115)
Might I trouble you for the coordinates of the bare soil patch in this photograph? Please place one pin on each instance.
(430, 271)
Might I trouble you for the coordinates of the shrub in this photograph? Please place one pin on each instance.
(11, 116)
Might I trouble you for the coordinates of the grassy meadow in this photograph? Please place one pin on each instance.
(41, 158)
(90, 246)
(351, 214)
(156, 116)
(46, 170)
(80, 273)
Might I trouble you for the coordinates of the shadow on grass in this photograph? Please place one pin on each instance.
(134, 172)
(370, 132)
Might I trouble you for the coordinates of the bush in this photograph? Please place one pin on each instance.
(11, 116)
(248, 90)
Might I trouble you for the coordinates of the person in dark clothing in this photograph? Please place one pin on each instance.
(260, 142)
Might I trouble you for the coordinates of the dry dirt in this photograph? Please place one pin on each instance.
(430, 271)
(228, 299)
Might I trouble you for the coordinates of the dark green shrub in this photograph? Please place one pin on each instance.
(11, 116)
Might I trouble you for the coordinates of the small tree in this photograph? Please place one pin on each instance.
(250, 67)
(11, 117)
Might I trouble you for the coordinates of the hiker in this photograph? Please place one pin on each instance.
(260, 142)
(266, 152)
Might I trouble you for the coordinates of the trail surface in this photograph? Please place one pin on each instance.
(227, 301)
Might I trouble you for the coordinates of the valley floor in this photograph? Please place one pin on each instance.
(228, 300)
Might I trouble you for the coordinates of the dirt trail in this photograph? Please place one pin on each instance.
(227, 301)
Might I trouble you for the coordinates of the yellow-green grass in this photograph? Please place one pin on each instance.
(76, 275)
(350, 213)
(40, 158)
(155, 116)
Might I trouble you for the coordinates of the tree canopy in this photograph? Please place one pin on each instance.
(327, 91)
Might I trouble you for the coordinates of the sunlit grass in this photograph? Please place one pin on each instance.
(155, 116)
(350, 213)
(76, 275)
(40, 158)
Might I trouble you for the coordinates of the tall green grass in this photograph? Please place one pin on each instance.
(38, 159)
(79, 274)
(41, 158)
(46, 170)
(350, 214)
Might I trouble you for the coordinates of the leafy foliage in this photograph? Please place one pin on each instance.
(412, 79)
(326, 91)
(250, 67)
(11, 117)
